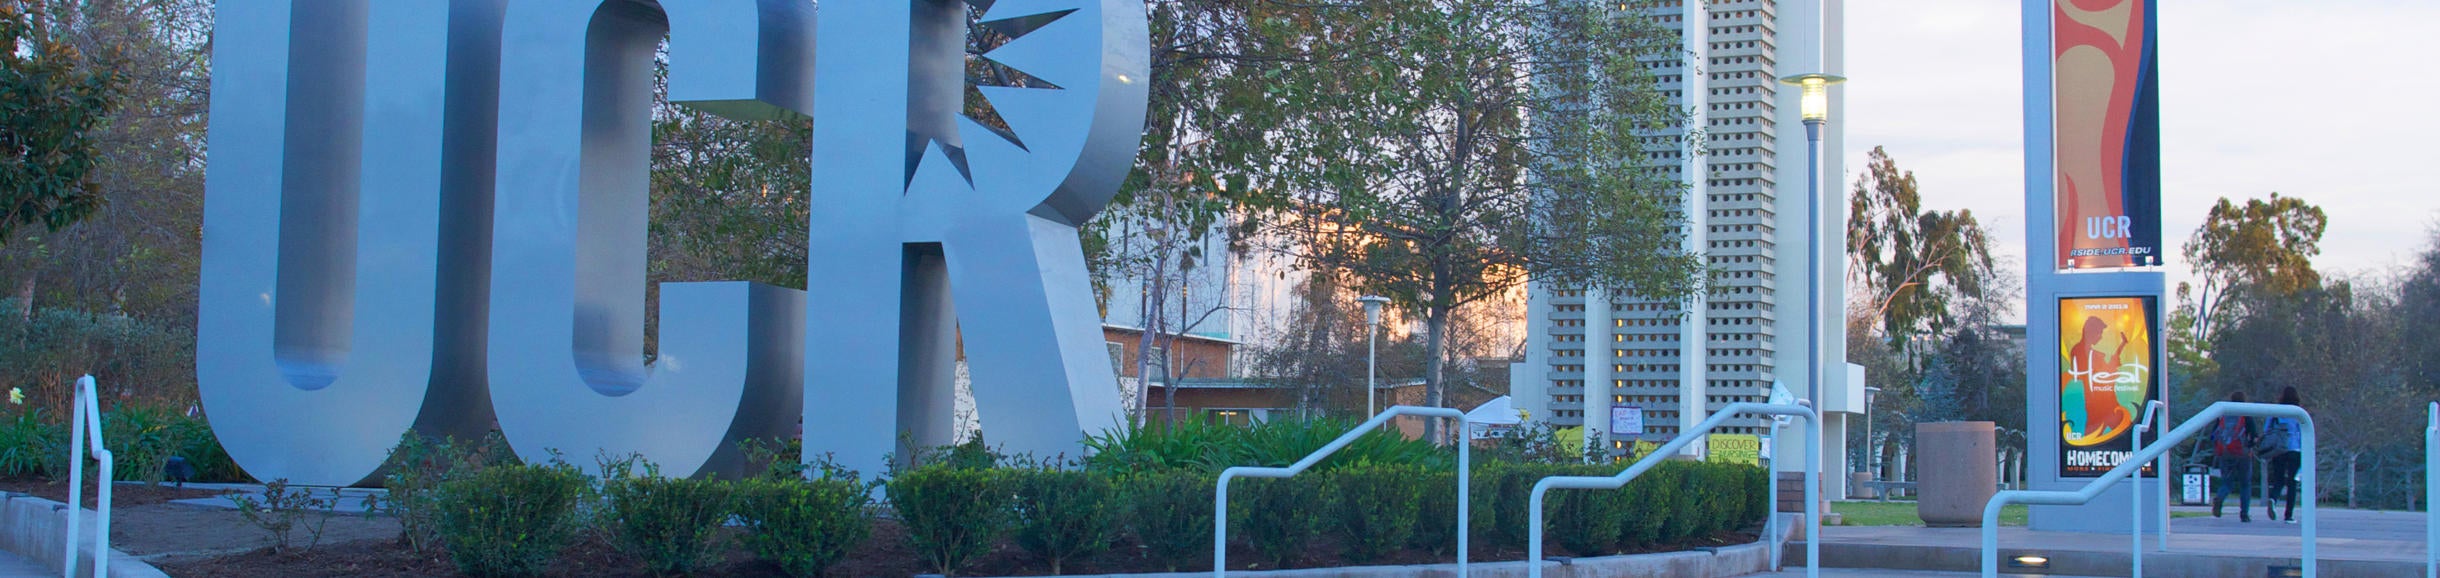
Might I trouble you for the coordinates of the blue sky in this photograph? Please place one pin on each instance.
(2324, 100)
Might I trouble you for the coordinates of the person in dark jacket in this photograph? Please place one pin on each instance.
(2281, 440)
(2230, 440)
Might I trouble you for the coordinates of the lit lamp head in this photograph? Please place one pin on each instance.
(1372, 308)
(1815, 104)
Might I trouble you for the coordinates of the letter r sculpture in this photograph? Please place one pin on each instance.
(957, 145)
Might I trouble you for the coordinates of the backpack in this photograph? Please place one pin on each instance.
(2228, 438)
(2274, 440)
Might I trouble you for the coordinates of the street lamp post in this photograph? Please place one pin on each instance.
(1372, 347)
(1815, 107)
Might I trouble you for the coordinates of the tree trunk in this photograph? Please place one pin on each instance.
(1435, 344)
(25, 299)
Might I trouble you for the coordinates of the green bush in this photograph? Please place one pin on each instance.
(510, 520)
(672, 524)
(1511, 492)
(1586, 522)
(805, 526)
(1063, 515)
(1372, 508)
(1646, 514)
(952, 514)
(1686, 508)
(417, 466)
(1170, 512)
(1278, 515)
(1435, 512)
(32, 446)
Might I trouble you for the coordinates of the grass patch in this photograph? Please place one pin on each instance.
(1903, 514)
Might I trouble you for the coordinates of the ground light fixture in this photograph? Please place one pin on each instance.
(2030, 562)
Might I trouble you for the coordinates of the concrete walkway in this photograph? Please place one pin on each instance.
(2352, 542)
(15, 566)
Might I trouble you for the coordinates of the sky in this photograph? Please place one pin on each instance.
(2323, 100)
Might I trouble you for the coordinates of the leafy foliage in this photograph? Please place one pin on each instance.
(30, 445)
(1170, 513)
(1372, 508)
(804, 526)
(1280, 516)
(281, 507)
(1917, 266)
(51, 99)
(672, 524)
(952, 514)
(1434, 153)
(511, 520)
(417, 468)
(1062, 514)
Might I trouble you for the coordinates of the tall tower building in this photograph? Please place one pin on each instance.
(1590, 349)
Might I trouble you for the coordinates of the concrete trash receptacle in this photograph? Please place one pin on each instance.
(1959, 473)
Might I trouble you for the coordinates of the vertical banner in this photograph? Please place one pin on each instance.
(2106, 374)
(2106, 103)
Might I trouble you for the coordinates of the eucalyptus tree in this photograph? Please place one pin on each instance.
(1923, 271)
(1438, 153)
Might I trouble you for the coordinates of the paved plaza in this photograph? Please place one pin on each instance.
(2352, 542)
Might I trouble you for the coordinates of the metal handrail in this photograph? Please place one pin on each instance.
(2135, 485)
(1813, 441)
(86, 425)
(1220, 492)
(2133, 463)
(2431, 492)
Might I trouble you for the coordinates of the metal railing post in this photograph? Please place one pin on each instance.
(1813, 456)
(1464, 476)
(1770, 472)
(2134, 463)
(86, 427)
(2135, 485)
(2431, 491)
(2161, 470)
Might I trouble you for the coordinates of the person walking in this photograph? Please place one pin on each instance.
(2231, 439)
(2282, 438)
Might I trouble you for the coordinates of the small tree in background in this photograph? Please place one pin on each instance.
(51, 98)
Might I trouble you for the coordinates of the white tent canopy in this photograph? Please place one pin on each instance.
(1500, 412)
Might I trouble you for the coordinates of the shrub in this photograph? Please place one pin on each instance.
(1586, 522)
(804, 526)
(31, 446)
(1646, 512)
(1511, 493)
(952, 514)
(1435, 512)
(1373, 507)
(1278, 515)
(1171, 513)
(276, 514)
(1062, 515)
(510, 520)
(1684, 507)
(673, 525)
(1193, 443)
(417, 467)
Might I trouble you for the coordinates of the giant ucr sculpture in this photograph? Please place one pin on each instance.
(1018, 118)
(422, 211)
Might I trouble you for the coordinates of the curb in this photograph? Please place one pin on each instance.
(1721, 562)
(35, 528)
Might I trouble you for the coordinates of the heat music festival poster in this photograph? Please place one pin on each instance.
(2106, 375)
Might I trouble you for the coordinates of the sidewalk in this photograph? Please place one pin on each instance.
(2351, 542)
(14, 566)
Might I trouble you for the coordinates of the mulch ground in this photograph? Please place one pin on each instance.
(120, 495)
(886, 553)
